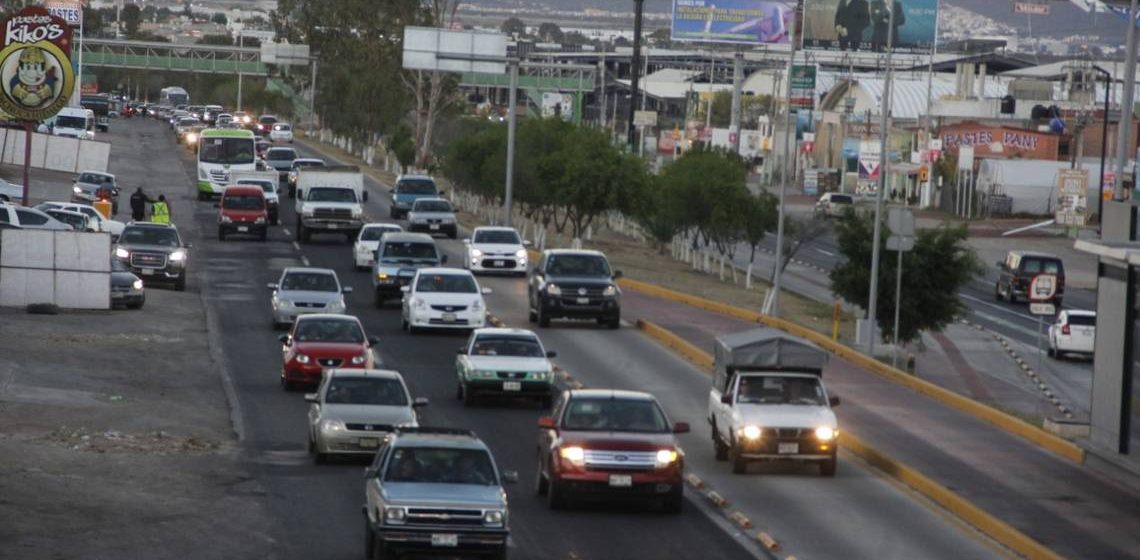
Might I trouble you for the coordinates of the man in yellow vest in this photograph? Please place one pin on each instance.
(160, 212)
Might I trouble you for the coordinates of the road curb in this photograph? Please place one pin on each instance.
(1010, 424)
(1028, 370)
(687, 349)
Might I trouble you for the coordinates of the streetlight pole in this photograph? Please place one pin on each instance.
(511, 120)
(884, 133)
(635, 72)
(789, 135)
(1103, 149)
(1124, 129)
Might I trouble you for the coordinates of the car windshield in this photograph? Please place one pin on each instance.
(1082, 320)
(409, 250)
(226, 150)
(497, 236)
(517, 346)
(310, 282)
(614, 415)
(374, 233)
(432, 206)
(772, 389)
(416, 186)
(441, 465)
(450, 283)
(1039, 266)
(366, 390)
(77, 221)
(281, 155)
(70, 122)
(93, 178)
(243, 202)
(324, 194)
(578, 265)
(840, 199)
(328, 330)
(149, 236)
(187, 122)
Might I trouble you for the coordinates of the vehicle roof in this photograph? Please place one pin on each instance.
(406, 236)
(352, 372)
(495, 228)
(103, 173)
(415, 176)
(227, 133)
(63, 211)
(1080, 312)
(574, 252)
(431, 199)
(243, 188)
(151, 225)
(504, 331)
(328, 316)
(308, 160)
(393, 227)
(310, 269)
(612, 394)
(445, 270)
(453, 440)
(1034, 254)
(284, 148)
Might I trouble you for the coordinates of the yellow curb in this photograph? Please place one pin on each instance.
(741, 519)
(687, 349)
(1011, 424)
(997, 529)
(768, 541)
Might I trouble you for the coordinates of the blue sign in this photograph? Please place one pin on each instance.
(749, 22)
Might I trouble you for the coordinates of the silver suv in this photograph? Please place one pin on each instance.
(435, 490)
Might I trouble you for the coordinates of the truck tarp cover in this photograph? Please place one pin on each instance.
(767, 348)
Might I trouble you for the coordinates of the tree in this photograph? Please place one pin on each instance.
(595, 178)
(219, 18)
(403, 146)
(701, 179)
(751, 108)
(131, 17)
(213, 39)
(432, 91)
(798, 232)
(659, 213)
(550, 33)
(759, 215)
(513, 26)
(933, 273)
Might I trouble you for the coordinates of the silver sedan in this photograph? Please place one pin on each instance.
(354, 409)
(301, 291)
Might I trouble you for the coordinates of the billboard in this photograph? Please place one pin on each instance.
(862, 25)
(36, 78)
(748, 22)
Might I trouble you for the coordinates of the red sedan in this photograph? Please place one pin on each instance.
(321, 341)
(604, 443)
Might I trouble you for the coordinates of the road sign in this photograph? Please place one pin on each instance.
(645, 118)
(1043, 287)
(1072, 197)
(432, 48)
(803, 86)
(1042, 309)
(900, 221)
(1031, 8)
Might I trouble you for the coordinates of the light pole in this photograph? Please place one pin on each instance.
(884, 133)
(789, 135)
(1124, 130)
(1103, 148)
(635, 71)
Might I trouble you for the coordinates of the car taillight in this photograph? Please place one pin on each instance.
(1065, 329)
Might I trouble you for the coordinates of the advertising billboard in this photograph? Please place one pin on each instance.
(36, 78)
(748, 22)
(863, 25)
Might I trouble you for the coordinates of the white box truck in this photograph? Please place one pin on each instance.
(330, 199)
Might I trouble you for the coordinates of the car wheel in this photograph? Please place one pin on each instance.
(997, 291)
(500, 554)
(531, 316)
(555, 495)
(827, 468)
(543, 320)
(1051, 352)
(180, 283)
(468, 397)
(614, 322)
(720, 450)
(392, 213)
(201, 195)
(674, 502)
(739, 463)
(298, 229)
(540, 484)
(369, 539)
(221, 234)
(546, 402)
(136, 305)
(286, 384)
(320, 458)
(264, 235)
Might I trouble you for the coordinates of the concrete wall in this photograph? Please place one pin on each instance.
(67, 268)
(56, 153)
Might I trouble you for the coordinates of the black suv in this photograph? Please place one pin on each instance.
(1016, 272)
(574, 284)
(154, 251)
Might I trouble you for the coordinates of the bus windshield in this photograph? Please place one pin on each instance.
(226, 150)
(71, 122)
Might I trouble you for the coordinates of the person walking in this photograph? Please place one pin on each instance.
(139, 201)
(160, 212)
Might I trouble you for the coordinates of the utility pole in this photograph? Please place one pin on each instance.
(737, 90)
(789, 135)
(241, 44)
(602, 74)
(1124, 129)
(884, 159)
(1103, 149)
(635, 73)
(512, 119)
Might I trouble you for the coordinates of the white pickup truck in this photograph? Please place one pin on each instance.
(330, 199)
(768, 401)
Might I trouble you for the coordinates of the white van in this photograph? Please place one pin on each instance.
(74, 122)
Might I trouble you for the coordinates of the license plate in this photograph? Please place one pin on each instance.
(448, 317)
(434, 226)
(584, 300)
(621, 480)
(499, 263)
(368, 442)
(449, 540)
(788, 448)
(512, 386)
(147, 271)
(243, 229)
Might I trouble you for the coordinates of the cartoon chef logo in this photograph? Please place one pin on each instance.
(33, 86)
(36, 77)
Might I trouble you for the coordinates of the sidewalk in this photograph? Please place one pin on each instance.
(1067, 507)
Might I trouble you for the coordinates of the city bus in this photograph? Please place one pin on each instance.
(173, 96)
(220, 153)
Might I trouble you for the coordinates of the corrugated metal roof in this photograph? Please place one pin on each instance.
(908, 97)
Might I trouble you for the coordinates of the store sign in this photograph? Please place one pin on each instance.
(803, 85)
(1071, 208)
(36, 78)
(870, 157)
(996, 141)
(71, 12)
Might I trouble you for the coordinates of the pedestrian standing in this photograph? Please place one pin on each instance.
(160, 212)
(139, 200)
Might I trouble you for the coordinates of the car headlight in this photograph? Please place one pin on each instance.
(259, 220)
(191, 138)
(307, 212)
(77, 190)
(178, 256)
(521, 253)
(302, 359)
(332, 426)
(610, 291)
(138, 285)
(122, 253)
(419, 303)
(666, 457)
(226, 219)
(395, 515)
(493, 518)
(357, 360)
(539, 375)
(553, 289)
(477, 305)
(476, 253)
(824, 433)
(284, 303)
(356, 214)
(483, 373)
(246, 120)
(751, 432)
(383, 278)
(575, 455)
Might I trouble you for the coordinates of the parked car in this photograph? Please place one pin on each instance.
(1072, 332)
(323, 341)
(11, 192)
(76, 220)
(367, 241)
(602, 443)
(29, 218)
(243, 210)
(126, 288)
(1016, 272)
(433, 490)
(86, 187)
(443, 298)
(397, 259)
(833, 205)
(353, 410)
(433, 215)
(576, 284)
(504, 362)
(155, 251)
(409, 189)
(281, 132)
(303, 291)
(496, 249)
(113, 227)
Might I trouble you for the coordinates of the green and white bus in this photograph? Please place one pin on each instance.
(220, 153)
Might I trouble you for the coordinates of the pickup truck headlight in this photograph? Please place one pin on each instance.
(476, 253)
(356, 214)
(575, 455)
(395, 515)
(553, 290)
(122, 253)
(610, 291)
(751, 432)
(493, 518)
(77, 190)
(259, 220)
(332, 426)
(824, 433)
(521, 253)
(384, 278)
(539, 375)
(477, 305)
(666, 457)
(307, 212)
(302, 359)
(178, 256)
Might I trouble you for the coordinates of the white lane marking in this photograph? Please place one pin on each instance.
(297, 246)
(1032, 334)
(1021, 316)
(305, 260)
(286, 232)
(828, 253)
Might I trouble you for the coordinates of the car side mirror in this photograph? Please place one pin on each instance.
(527, 243)
(189, 245)
(726, 398)
(370, 472)
(392, 191)
(461, 350)
(406, 289)
(617, 274)
(485, 290)
(551, 354)
(833, 401)
(510, 477)
(681, 428)
(546, 422)
(466, 240)
(443, 259)
(271, 285)
(442, 194)
(419, 402)
(999, 263)
(311, 397)
(284, 339)
(346, 289)
(373, 341)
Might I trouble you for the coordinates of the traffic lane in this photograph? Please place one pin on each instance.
(857, 514)
(509, 428)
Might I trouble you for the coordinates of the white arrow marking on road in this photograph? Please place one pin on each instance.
(828, 253)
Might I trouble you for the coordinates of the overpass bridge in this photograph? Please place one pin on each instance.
(146, 55)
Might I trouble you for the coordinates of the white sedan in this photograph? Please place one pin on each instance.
(113, 227)
(367, 241)
(443, 298)
(496, 249)
(282, 132)
(1074, 332)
